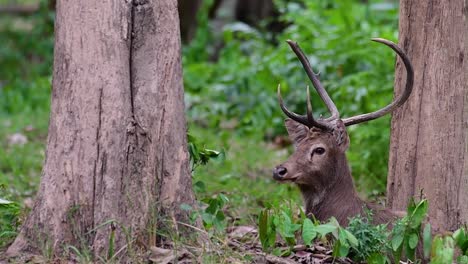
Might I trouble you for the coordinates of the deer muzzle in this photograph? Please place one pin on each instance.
(280, 173)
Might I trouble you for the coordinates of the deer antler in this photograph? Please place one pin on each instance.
(398, 101)
(331, 105)
(315, 81)
(307, 120)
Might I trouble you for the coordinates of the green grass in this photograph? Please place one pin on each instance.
(245, 175)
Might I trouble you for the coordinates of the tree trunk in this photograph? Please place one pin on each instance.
(188, 10)
(429, 137)
(116, 149)
(251, 12)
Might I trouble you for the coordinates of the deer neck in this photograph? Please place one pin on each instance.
(339, 199)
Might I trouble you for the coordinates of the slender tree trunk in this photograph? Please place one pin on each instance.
(429, 141)
(116, 149)
(188, 10)
(254, 11)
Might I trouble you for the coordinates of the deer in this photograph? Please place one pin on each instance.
(318, 165)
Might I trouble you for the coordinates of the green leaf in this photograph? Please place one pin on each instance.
(397, 241)
(325, 229)
(442, 250)
(377, 259)
(263, 228)
(308, 231)
(207, 219)
(419, 214)
(458, 235)
(3, 201)
(411, 206)
(211, 153)
(340, 249)
(462, 259)
(223, 199)
(277, 252)
(186, 207)
(351, 239)
(410, 252)
(427, 240)
(213, 206)
(461, 239)
(413, 240)
(266, 228)
(193, 150)
(200, 187)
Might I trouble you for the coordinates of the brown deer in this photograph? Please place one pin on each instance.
(318, 165)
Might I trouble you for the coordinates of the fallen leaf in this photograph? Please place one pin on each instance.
(161, 255)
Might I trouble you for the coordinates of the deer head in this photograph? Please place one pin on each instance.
(318, 165)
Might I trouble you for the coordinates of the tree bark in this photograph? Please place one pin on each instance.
(429, 140)
(116, 148)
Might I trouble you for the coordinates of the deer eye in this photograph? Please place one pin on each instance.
(319, 151)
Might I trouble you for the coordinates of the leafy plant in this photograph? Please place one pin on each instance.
(373, 239)
(200, 155)
(281, 222)
(362, 240)
(210, 210)
(406, 232)
(9, 215)
(442, 247)
(461, 239)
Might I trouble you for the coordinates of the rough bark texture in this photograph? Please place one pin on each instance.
(116, 147)
(429, 141)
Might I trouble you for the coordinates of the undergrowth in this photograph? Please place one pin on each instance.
(361, 240)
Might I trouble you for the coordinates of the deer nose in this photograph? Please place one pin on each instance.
(279, 172)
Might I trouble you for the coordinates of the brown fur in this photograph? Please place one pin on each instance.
(324, 179)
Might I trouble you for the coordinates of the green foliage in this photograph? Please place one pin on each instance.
(26, 53)
(9, 215)
(231, 105)
(363, 241)
(442, 250)
(281, 221)
(25, 60)
(406, 232)
(236, 89)
(200, 155)
(461, 239)
(373, 239)
(25, 63)
(211, 212)
(309, 232)
(442, 247)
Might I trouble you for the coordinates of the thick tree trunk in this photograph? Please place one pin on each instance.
(430, 132)
(116, 149)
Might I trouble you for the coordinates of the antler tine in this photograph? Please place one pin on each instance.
(310, 116)
(397, 102)
(307, 120)
(315, 81)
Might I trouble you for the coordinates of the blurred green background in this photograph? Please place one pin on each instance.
(231, 68)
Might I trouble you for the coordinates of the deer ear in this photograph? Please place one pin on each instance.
(341, 135)
(296, 131)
